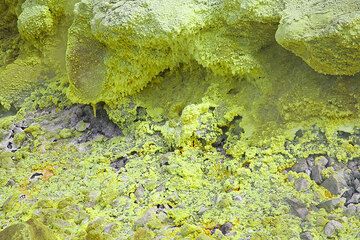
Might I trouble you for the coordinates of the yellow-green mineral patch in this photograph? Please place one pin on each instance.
(187, 119)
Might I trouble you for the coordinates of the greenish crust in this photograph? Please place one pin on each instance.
(325, 34)
(178, 182)
(35, 22)
(144, 39)
(30, 230)
(212, 115)
(8, 31)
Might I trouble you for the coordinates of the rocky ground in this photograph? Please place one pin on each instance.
(179, 119)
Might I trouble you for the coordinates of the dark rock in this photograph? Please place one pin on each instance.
(36, 175)
(10, 183)
(354, 164)
(119, 163)
(310, 161)
(297, 208)
(306, 236)
(354, 199)
(357, 185)
(348, 194)
(336, 183)
(316, 174)
(226, 228)
(300, 166)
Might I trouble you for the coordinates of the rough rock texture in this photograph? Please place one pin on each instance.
(30, 230)
(325, 34)
(200, 124)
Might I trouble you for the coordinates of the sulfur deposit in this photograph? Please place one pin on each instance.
(179, 119)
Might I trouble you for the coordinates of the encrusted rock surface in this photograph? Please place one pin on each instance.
(206, 119)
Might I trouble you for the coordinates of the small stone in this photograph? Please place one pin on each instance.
(356, 174)
(82, 126)
(10, 183)
(353, 165)
(141, 222)
(306, 236)
(310, 161)
(355, 198)
(338, 166)
(330, 205)
(93, 198)
(350, 210)
(357, 185)
(298, 209)
(348, 194)
(302, 212)
(226, 228)
(316, 174)
(322, 161)
(109, 227)
(300, 166)
(119, 163)
(202, 210)
(301, 184)
(336, 183)
(238, 198)
(332, 227)
(139, 192)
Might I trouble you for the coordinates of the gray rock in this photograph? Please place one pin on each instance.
(357, 185)
(310, 161)
(353, 165)
(355, 198)
(139, 192)
(10, 183)
(332, 227)
(306, 236)
(202, 210)
(301, 184)
(330, 205)
(338, 166)
(356, 174)
(350, 210)
(297, 208)
(238, 198)
(119, 163)
(300, 166)
(336, 183)
(316, 174)
(141, 222)
(226, 228)
(322, 161)
(348, 194)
